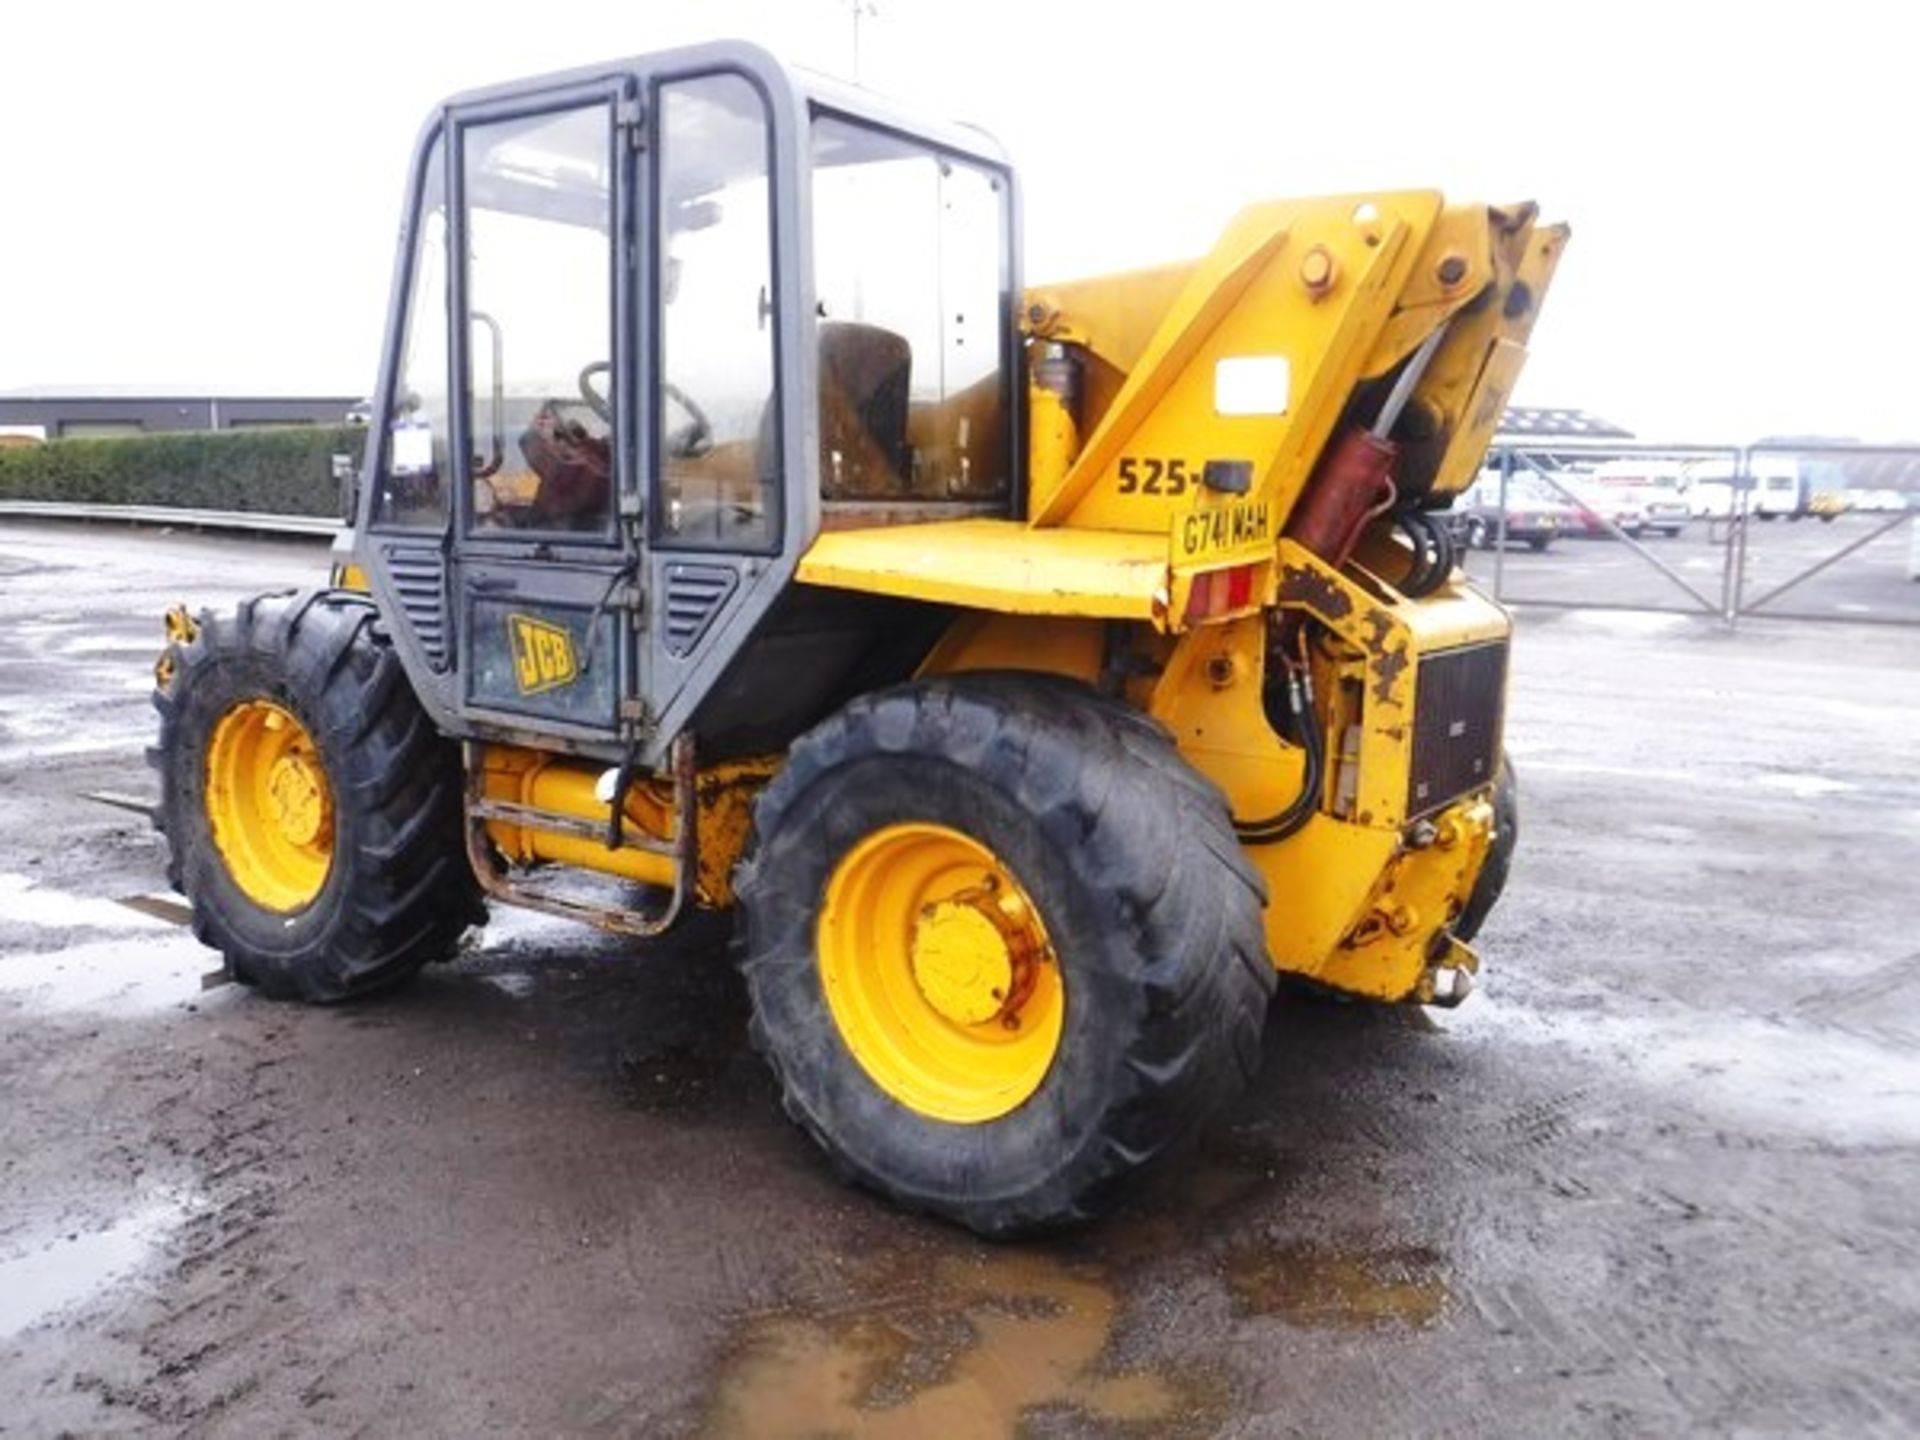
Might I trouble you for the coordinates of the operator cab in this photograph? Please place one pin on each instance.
(654, 327)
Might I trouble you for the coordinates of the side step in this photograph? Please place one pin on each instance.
(683, 848)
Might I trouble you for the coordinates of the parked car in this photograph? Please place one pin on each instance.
(1655, 486)
(1595, 505)
(1536, 515)
(1663, 509)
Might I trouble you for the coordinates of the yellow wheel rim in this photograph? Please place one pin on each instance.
(269, 805)
(939, 974)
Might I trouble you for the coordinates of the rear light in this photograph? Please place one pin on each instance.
(1219, 592)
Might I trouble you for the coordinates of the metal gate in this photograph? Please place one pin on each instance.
(1792, 530)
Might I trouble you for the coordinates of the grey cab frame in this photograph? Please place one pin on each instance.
(437, 588)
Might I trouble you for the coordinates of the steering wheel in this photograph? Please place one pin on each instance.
(692, 439)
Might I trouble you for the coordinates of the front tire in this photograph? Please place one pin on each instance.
(1072, 825)
(312, 812)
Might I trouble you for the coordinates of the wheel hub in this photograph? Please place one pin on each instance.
(960, 962)
(269, 805)
(297, 799)
(939, 973)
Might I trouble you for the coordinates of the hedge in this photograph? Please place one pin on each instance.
(285, 472)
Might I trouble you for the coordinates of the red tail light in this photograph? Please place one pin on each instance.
(1219, 592)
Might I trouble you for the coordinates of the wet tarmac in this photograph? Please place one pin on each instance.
(1657, 1176)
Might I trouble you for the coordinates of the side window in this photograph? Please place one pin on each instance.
(414, 473)
(910, 255)
(538, 195)
(719, 450)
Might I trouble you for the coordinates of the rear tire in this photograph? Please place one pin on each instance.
(1152, 913)
(397, 890)
(1493, 874)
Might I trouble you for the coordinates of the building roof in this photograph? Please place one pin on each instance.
(1559, 423)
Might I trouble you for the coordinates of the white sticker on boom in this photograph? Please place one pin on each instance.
(1252, 385)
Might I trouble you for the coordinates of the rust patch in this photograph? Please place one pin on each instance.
(1387, 667)
(1314, 591)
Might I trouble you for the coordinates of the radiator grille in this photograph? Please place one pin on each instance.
(420, 580)
(1457, 702)
(695, 594)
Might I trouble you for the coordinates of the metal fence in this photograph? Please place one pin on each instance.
(1839, 539)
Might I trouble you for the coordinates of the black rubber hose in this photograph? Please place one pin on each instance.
(1275, 828)
(1419, 577)
(1433, 553)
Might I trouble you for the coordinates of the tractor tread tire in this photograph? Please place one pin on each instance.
(400, 892)
(1151, 904)
(1493, 873)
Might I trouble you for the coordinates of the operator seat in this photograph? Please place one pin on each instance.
(865, 372)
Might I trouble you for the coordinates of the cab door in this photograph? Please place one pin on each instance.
(546, 549)
(718, 452)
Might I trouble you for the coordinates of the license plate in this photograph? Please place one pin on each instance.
(1220, 534)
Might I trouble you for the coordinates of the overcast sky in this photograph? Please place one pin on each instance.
(206, 195)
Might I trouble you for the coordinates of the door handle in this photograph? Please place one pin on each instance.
(492, 584)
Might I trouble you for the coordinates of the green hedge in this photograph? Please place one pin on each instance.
(286, 472)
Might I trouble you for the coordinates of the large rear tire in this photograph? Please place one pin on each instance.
(1002, 946)
(312, 811)
(1493, 874)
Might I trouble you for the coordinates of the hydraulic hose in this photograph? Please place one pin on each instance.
(1275, 828)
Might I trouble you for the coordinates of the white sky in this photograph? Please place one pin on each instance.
(205, 195)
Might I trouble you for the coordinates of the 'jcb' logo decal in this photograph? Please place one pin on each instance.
(542, 655)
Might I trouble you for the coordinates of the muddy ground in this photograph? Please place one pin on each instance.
(1658, 1175)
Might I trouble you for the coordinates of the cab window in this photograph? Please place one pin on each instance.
(913, 281)
(412, 483)
(716, 426)
(538, 194)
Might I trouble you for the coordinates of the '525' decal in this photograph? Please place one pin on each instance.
(1145, 475)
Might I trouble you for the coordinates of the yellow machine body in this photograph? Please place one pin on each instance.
(1327, 295)
(1315, 299)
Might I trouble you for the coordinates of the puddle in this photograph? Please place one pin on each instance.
(1857, 1083)
(46, 1278)
(1663, 833)
(131, 645)
(129, 975)
(1803, 787)
(25, 903)
(975, 1348)
(1319, 1288)
(1630, 622)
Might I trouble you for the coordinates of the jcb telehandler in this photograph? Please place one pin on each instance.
(1040, 673)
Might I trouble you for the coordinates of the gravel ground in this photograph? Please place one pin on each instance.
(1658, 1175)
